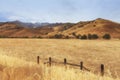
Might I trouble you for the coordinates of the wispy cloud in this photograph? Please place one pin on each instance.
(58, 10)
(9, 16)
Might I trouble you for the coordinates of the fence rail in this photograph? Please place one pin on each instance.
(81, 65)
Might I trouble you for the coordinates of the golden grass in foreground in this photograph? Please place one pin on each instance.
(91, 52)
(32, 71)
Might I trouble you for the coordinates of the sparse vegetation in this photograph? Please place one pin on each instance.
(84, 37)
(106, 36)
(89, 36)
(94, 25)
(66, 37)
(95, 36)
(62, 36)
(25, 37)
(58, 36)
(39, 37)
(74, 34)
(78, 36)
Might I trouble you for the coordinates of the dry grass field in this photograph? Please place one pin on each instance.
(17, 55)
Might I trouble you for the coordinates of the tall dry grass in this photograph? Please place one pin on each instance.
(18, 56)
(91, 52)
(16, 69)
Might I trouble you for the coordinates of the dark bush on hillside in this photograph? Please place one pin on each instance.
(66, 37)
(106, 36)
(89, 36)
(78, 36)
(26, 37)
(95, 36)
(94, 25)
(83, 37)
(39, 37)
(58, 36)
(73, 34)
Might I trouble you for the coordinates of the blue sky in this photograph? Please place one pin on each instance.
(59, 10)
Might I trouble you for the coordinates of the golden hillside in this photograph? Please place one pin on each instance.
(98, 26)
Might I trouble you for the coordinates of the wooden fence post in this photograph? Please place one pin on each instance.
(38, 58)
(81, 65)
(65, 61)
(102, 69)
(50, 60)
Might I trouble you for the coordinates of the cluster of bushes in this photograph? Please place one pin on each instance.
(61, 36)
(91, 36)
(88, 36)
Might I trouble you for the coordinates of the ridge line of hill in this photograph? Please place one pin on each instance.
(98, 26)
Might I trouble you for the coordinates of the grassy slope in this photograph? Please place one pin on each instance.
(98, 26)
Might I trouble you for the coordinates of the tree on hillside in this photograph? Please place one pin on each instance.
(58, 36)
(39, 37)
(95, 36)
(94, 25)
(89, 36)
(106, 36)
(73, 34)
(66, 37)
(78, 36)
(84, 37)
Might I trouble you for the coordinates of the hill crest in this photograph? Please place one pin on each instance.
(98, 26)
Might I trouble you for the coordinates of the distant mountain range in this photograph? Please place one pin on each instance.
(31, 25)
(50, 30)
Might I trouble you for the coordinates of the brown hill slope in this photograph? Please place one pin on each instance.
(9, 29)
(98, 26)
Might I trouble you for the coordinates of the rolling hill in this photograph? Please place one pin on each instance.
(99, 26)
